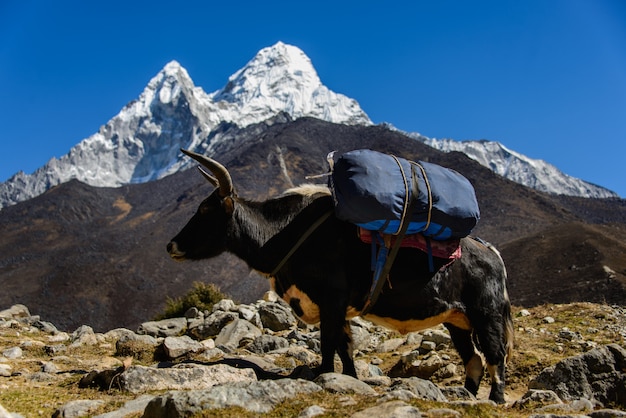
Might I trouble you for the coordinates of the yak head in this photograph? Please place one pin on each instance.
(205, 234)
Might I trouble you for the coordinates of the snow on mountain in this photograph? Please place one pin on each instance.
(514, 166)
(142, 142)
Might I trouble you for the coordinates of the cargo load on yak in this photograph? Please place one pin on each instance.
(380, 192)
(400, 203)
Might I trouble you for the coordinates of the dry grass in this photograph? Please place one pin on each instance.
(538, 345)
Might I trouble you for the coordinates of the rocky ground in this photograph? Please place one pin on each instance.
(255, 360)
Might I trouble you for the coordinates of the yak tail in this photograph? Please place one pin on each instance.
(509, 334)
(507, 318)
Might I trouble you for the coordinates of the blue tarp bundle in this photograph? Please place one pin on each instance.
(373, 190)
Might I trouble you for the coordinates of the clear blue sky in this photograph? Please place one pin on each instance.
(547, 78)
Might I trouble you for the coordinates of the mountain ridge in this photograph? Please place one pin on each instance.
(141, 143)
(100, 249)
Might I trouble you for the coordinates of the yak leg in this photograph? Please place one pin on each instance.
(335, 337)
(491, 337)
(474, 368)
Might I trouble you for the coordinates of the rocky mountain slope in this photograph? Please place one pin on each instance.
(253, 359)
(81, 254)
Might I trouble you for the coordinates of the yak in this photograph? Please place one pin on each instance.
(318, 264)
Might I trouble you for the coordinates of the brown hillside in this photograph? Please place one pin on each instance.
(80, 254)
(572, 262)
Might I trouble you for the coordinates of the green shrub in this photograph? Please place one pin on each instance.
(202, 296)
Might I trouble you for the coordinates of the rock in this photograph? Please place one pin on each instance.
(79, 408)
(171, 327)
(212, 324)
(237, 333)
(5, 414)
(341, 383)
(49, 367)
(117, 333)
(134, 407)
(303, 355)
(429, 366)
(311, 411)
(175, 347)
(13, 353)
(250, 314)
(388, 346)
(53, 350)
(595, 375)
(59, 337)
(393, 409)
(578, 406)
(139, 379)
(361, 337)
(15, 311)
(537, 397)
(5, 370)
(225, 305)
(83, 335)
(266, 343)
(193, 313)
(607, 413)
(397, 394)
(427, 347)
(566, 334)
(414, 338)
(257, 397)
(423, 389)
(437, 336)
(46, 327)
(276, 317)
(457, 393)
(140, 347)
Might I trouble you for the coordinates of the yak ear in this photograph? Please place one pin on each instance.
(228, 204)
(209, 177)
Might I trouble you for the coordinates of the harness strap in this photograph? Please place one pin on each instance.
(382, 273)
(300, 241)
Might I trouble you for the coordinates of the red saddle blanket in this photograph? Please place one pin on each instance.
(450, 249)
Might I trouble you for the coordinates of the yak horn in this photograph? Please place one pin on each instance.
(218, 170)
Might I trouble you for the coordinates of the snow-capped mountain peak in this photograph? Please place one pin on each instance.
(141, 142)
(282, 78)
(279, 69)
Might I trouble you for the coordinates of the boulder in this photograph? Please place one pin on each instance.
(237, 333)
(175, 347)
(212, 324)
(257, 397)
(138, 379)
(79, 408)
(276, 317)
(165, 328)
(15, 311)
(341, 383)
(598, 374)
(423, 389)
